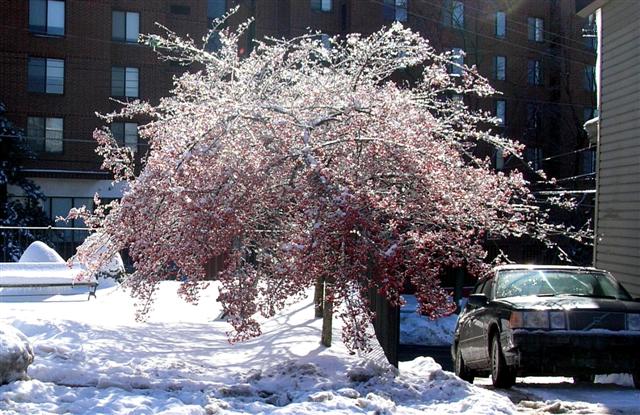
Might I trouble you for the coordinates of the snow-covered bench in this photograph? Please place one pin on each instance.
(41, 267)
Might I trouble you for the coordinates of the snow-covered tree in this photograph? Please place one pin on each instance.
(304, 162)
(22, 211)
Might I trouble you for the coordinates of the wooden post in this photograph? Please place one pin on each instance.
(327, 316)
(318, 297)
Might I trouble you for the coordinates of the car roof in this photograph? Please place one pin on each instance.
(544, 267)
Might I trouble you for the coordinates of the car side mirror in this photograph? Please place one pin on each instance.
(477, 300)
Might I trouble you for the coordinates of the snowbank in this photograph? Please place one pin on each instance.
(39, 273)
(94, 357)
(40, 252)
(421, 330)
(16, 354)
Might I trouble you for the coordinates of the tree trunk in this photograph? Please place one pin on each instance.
(327, 317)
(318, 297)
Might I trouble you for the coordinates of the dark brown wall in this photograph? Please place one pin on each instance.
(89, 54)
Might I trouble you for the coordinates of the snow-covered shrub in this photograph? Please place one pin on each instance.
(16, 354)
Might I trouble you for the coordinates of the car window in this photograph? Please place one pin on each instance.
(486, 290)
(478, 288)
(584, 283)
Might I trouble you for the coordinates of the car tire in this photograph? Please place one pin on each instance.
(584, 379)
(636, 379)
(502, 375)
(461, 369)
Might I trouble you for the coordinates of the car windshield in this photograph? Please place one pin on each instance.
(541, 282)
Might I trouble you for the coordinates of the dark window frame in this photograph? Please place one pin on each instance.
(495, 68)
(30, 138)
(535, 72)
(122, 140)
(180, 9)
(124, 82)
(533, 30)
(504, 118)
(316, 6)
(33, 89)
(496, 32)
(125, 38)
(45, 30)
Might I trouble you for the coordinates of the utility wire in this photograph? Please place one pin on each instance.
(493, 38)
(525, 25)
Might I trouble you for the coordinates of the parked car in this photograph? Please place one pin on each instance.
(547, 320)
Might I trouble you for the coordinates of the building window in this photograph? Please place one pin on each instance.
(180, 9)
(60, 206)
(453, 13)
(45, 75)
(322, 5)
(590, 78)
(589, 113)
(588, 161)
(124, 82)
(125, 26)
(126, 134)
(536, 29)
(500, 68)
(534, 118)
(499, 159)
(46, 17)
(216, 8)
(395, 10)
(457, 62)
(534, 72)
(590, 33)
(45, 134)
(501, 111)
(534, 156)
(325, 40)
(501, 24)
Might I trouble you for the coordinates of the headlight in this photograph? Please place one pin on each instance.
(538, 320)
(633, 322)
(530, 320)
(557, 320)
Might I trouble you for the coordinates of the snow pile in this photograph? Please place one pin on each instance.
(92, 356)
(39, 273)
(40, 252)
(41, 265)
(16, 354)
(421, 330)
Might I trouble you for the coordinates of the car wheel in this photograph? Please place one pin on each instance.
(502, 375)
(584, 379)
(636, 379)
(461, 369)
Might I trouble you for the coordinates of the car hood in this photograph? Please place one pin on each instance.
(567, 302)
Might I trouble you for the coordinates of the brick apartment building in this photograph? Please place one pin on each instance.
(61, 61)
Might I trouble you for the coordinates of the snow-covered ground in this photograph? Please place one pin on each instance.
(611, 394)
(92, 357)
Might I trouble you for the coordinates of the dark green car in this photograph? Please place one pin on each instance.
(529, 320)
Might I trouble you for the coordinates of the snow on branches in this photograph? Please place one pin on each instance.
(302, 161)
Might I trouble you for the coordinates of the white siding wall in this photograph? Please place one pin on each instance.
(618, 199)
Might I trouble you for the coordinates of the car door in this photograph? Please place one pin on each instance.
(478, 329)
(467, 330)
